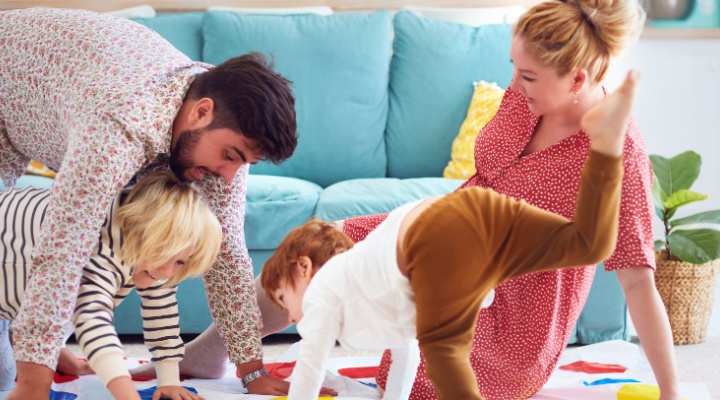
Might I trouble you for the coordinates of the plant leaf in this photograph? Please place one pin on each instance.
(677, 173)
(659, 244)
(682, 197)
(707, 217)
(696, 246)
(658, 196)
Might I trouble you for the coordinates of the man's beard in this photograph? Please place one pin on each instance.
(181, 155)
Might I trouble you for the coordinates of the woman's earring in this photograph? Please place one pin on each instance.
(575, 100)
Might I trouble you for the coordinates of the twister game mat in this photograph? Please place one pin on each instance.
(614, 370)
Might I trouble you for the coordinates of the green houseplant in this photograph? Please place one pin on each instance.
(688, 256)
(671, 190)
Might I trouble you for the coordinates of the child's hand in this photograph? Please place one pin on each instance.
(175, 393)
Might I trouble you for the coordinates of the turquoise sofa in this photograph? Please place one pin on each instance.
(380, 98)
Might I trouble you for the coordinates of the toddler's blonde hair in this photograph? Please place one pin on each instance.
(160, 218)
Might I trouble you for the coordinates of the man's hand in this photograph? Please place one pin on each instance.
(175, 393)
(268, 385)
(33, 382)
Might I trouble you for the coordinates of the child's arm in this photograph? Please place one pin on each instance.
(122, 388)
(93, 317)
(319, 329)
(103, 285)
(161, 330)
(402, 371)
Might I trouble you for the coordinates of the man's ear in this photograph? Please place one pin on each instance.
(305, 267)
(202, 113)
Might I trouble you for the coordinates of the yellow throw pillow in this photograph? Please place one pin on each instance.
(36, 168)
(483, 106)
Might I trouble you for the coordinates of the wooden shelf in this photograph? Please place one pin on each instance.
(681, 33)
(199, 5)
(337, 5)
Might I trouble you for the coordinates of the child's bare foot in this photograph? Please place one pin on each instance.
(607, 121)
(68, 364)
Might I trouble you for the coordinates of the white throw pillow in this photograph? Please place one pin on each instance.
(320, 10)
(470, 16)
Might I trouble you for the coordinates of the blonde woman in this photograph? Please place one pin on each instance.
(534, 150)
(158, 234)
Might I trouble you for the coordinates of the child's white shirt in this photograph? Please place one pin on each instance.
(361, 299)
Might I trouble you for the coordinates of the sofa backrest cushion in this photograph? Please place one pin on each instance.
(339, 66)
(434, 65)
(184, 31)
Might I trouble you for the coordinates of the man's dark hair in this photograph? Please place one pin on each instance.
(254, 100)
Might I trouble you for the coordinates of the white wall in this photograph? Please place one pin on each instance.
(678, 109)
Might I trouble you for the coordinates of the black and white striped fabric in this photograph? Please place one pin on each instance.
(21, 213)
(105, 283)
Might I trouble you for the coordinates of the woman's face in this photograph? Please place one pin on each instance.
(144, 278)
(545, 91)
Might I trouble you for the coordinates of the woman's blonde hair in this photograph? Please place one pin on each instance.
(570, 34)
(160, 218)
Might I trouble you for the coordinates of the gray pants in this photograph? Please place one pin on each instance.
(7, 363)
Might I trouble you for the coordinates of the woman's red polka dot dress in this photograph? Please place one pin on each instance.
(518, 339)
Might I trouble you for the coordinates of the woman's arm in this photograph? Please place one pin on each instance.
(651, 322)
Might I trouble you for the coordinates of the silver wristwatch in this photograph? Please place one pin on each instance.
(254, 375)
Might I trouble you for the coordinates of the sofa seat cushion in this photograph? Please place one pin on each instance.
(275, 205)
(372, 196)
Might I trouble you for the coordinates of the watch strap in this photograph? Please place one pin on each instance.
(254, 375)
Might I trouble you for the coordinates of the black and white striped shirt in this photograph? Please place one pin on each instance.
(104, 284)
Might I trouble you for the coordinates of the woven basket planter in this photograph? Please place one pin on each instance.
(687, 290)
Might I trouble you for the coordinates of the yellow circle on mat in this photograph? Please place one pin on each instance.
(639, 391)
